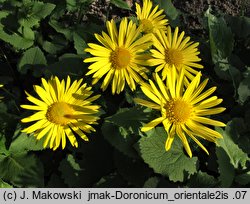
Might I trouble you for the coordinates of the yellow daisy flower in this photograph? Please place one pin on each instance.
(151, 20)
(183, 110)
(173, 50)
(62, 110)
(119, 56)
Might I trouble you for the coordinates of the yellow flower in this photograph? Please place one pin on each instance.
(150, 20)
(183, 109)
(176, 51)
(62, 110)
(119, 56)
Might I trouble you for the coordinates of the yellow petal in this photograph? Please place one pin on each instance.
(152, 124)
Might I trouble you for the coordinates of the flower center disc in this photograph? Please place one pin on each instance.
(59, 113)
(178, 111)
(147, 26)
(120, 58)
(173, 57)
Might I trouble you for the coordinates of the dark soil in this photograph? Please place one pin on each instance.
(196, 7)
(192, 10)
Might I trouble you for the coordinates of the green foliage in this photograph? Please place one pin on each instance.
(36, 12)
(243, 178)
(169, 8)
(220, 37)
(122, 129)
(32, 59)
(152, 182)
(240, 25)
(19, 40)
(244, 89)
(67, 32)
(18, 31)
(4, 184)
(173, 163)
(221, 46)
(71, 171)
(22, 170)
(120, 138)
(226, 169)
(120, 4)
(129, 118)
(24, 142)
(236, 155)
(17, 166)
(230, 155)
(202, 179)
(79, 43)
(68, 64)
(74, 5)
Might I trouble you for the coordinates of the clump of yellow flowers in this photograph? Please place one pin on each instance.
(125, 55)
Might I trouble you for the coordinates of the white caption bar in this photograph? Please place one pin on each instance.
(123, 195)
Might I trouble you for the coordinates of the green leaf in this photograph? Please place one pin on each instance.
(236, 155)
(51, 47)
(68, 64)
(33, 58)
(168, 7)
(71, 171)
(72, 168)
(238, 130)
(67, 32)
(16, 39)
(37, 11)
(71, 5)
(78, 173)
(129, 118)
(16, 165)
(4, 184)
(122, 129)
(24, 142)
(220, 37)
(120, 138)
(243, 179)
(3, 149)
(202, 180)
(240, 25)
(173, 163)
(79, 43)
(75, 5)
(244, 89)
(226, 169)
(28, 33)
(226, 71)
(21, 170)
(19, 36)
(152, 182)
(120, 4)
(54, 43)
